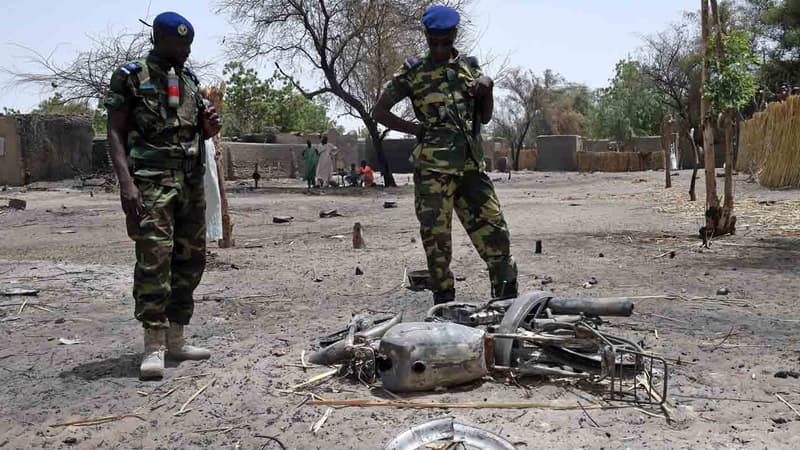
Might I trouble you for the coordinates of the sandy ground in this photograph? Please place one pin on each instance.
(259, 308)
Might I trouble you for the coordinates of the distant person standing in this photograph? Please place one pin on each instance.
(310, 158)
(327, 154)
(157, 122)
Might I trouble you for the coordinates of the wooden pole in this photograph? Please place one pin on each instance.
(692, 194)
(217, 95)
(666, 145)
(371, 403)
(227, 240)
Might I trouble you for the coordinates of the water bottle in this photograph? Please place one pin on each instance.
(173, 89)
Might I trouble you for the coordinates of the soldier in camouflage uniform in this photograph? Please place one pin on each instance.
(451, 98)
(157, 155)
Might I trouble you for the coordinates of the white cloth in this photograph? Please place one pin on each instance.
(213, 198)
(325, 165)
(673, 159)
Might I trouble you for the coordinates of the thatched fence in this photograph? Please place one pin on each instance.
(769, 145)
(619, 161)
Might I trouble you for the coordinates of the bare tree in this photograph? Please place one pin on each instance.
(388, 40)
(353, 46)
(86, 77)
(536, 105)
(515, 117)
(672, 61)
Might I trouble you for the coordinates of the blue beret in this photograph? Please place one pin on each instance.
(440, 18)
(173, 24)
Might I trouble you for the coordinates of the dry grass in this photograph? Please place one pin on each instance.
(770, 145)
(781, 218)
(528, 158)
(619, 161)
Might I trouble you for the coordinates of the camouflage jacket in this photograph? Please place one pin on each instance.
(438, 94)
(159, 132)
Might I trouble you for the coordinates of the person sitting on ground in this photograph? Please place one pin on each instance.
(367, 174)
(353, 178)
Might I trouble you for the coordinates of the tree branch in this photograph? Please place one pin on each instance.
(306, 94)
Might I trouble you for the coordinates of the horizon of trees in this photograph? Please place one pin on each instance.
(661, 78)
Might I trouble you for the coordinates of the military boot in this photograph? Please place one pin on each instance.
(152, 367)
(505, 290)
(445, 296)
(177, 348)
(503, 276)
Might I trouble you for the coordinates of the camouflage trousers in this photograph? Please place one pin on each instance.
(475, 202)
(170, 245)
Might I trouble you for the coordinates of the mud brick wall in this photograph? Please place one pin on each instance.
(49, 147)
(619, 161)
(55, 147)
(642, 144)
(12, 169)
(101, 156)
(398, 154)
(280, 160)
(274, 160)
(596, 145)
(347, 145)
(558, 153)
(528, 159)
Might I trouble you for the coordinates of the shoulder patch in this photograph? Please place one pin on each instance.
(132, 67)
(412, 62)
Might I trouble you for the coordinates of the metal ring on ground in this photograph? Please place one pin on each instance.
(512, 320)
(448, 429)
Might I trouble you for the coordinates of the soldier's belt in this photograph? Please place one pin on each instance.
(186, 164)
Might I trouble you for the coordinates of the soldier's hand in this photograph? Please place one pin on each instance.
(482, 87)
(132, 203)
(211, 122)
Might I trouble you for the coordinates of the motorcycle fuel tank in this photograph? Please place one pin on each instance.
(422, 356)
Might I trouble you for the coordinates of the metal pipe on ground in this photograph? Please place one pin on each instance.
(592, 307)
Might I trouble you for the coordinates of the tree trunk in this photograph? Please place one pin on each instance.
(377, 144)
(712, 201)
(516, 147)
(727, 223)
(692, 195)
(366, 117)
(736, 130)
(719, 219)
